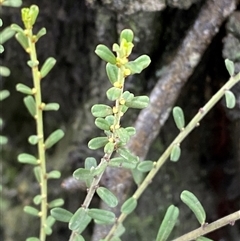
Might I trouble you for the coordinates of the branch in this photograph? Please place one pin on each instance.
(207, 228)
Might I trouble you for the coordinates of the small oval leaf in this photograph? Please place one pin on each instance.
(175, 153)
(90, 162)
(47, 66)
(230, 66)
(37, 173)
(107, 196)
(193, 203)
(22, 39)
(145, 166)
(51, 107)
(54, 138)
(24, 89)
(4, 71)
(97, 142)
(129, 205)
(113, 93)
(138, 102)
(61, 214)
(112, 72)
(179, 117)
(109, 148)
(127, 34)
(168, 223)
(101, 110)
(82, 174)
(30, 104)
(54, 174)
(31, 210)
(79, 218)
(230, 99)
(122, 162)
(33, 139)
(102, 124)
(103, 216)
(105, 54)
(56, 203)
(28, 159)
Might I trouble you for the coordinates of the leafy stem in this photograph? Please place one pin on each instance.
(182, 135)
(39, 126)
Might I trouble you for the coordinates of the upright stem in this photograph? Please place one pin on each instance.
(40, 133)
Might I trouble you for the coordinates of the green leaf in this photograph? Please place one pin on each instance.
(24, 89)
(61, 214)
(4, 94)
(127, 155)
(127, 96)
(6, 34)
(56, 203)
(112, 72)
(90, 162)
(129, 205)
(110, 119)
(122, 162)
(113, 93)
(32, 64)
(12, 3)
(137, 176)
(109, 148)
(54, 138)
(131, 130)
(4, 71)
(101, 110)
(41, 33)
(127, 34)
(33, 139)
(37, 199)
(32, 239)
(99, 169)
(97, 142)
(30, 104)
(79, 218)
(37, 173)
(139, 64)
(54, 174)
(179, 117)
(47, 66)
(105, 54)
(230, 66)
(107, 196)
(82, 174)
(102, 124)
(51, 106)
(175, 153)
(17, 28)
(22, 39)
(103, 216)
(230, 99)
(28, 159)
(50, 221)
(31, 210)
(168, 223)
(138, 102)
(123, 135)
(145, 166)
(193, 203)
(47, 230)
(33, 13)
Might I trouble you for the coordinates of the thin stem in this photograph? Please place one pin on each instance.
(182, 135)
(40, 133)
(207, 228)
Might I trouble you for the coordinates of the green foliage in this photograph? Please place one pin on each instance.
(168, 223)
(194, 204)
(108, 119)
